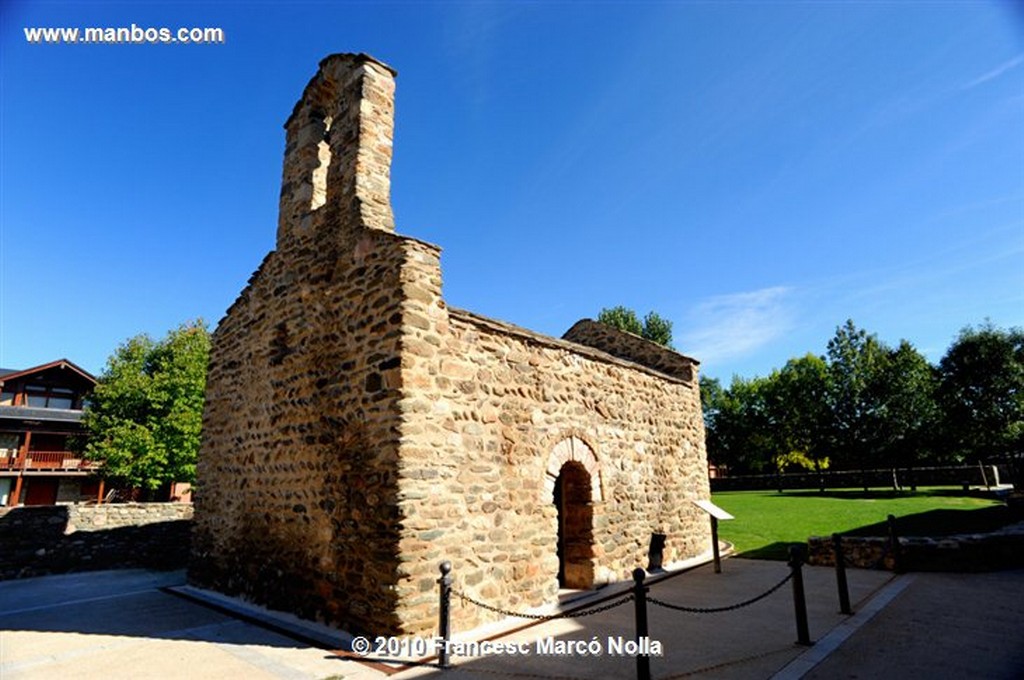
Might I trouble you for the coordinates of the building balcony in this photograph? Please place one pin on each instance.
(43, 415)
(46, 461)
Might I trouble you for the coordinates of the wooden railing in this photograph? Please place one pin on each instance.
(46, 460)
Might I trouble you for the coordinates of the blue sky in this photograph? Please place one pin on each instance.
(756, 172)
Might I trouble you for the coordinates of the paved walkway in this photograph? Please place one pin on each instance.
(118, 624)
(940, 626)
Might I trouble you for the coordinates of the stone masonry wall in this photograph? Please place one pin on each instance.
(357, 432)
(296, 508)
(61, 538)
(632, 348)
(999, 549)
(491, 414)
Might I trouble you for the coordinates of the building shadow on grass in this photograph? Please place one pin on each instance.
(941, 522)
(778, 550)
(975, 547)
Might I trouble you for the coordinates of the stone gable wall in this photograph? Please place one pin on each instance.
(298, 472)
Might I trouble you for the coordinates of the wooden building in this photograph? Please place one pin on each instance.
(40, 411)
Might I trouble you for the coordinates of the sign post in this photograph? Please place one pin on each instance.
(716, 513)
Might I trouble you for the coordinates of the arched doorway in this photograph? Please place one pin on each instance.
(575, 526)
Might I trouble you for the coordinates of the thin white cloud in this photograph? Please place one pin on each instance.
(737, 325)
(996, 72)
(471, 33)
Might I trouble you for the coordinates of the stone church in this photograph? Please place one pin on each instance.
(358, 430)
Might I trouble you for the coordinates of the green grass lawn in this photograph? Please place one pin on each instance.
(768, 522)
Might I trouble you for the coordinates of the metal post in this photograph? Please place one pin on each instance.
(12, 500)
(844, 589)
(444, 625)
(894, 545)
(796, 561)
(714, 544)
(643, 662)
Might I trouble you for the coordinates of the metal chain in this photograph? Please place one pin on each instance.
(726, 664)
(477, 671)
(543, 617)
(715, 610)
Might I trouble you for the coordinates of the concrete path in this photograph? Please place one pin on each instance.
(753, 642)
(114, 625)
(940, 626)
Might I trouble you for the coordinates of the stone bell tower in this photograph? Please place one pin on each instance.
(299, 461)
(338, 145)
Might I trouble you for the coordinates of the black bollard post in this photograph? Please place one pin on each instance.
(844, 589)
(643, 662)
(444, 624)
(714, 544)
(796, 561)
(894, 545)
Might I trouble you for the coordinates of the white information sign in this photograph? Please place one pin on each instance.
(713, 510)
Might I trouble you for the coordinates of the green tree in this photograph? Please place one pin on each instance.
(657, 329)
(738, 430)
(981, 393)
(623, 318)
(855, 361)
(908, 412)
(654, 327)
(711, 396)
(882, 401)
(145, 415)
(802, 417)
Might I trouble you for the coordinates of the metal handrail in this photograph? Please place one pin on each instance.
(65, 460)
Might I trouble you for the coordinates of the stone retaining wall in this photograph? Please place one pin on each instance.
(869, 552)
(62, 538)
(1000, 549)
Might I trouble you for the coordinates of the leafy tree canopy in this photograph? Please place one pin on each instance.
(864, 404)
(145, 415)
(654, 327)
(981, 391)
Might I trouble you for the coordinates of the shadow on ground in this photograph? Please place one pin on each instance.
(124, 603)
(879, 494)
(773, 551)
